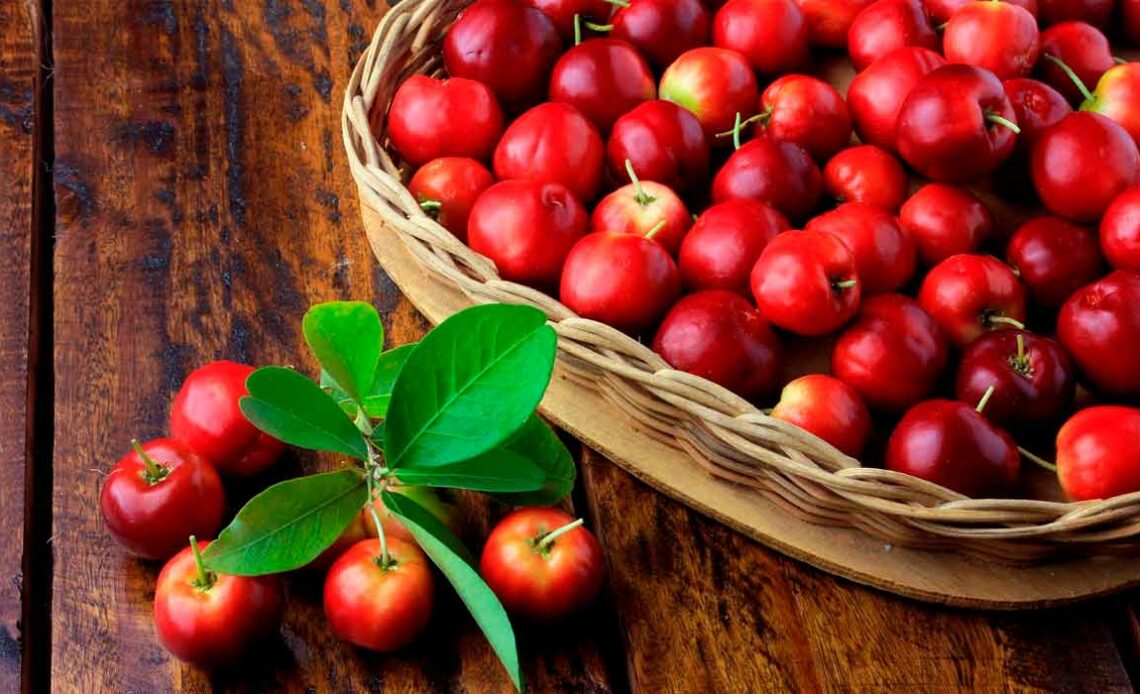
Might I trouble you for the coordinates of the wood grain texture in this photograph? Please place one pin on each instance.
(705, 609)
(19, 67)
(203, 204)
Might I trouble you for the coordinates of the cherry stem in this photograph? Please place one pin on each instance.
(1038, 460)
(985, 399)
(1020, 348)
(370, 473)
(642, 198)
(1003, 121)
(205, 581)
(577, 30)
(1069, 71)
(599, 27)
(430, 205)
(1006, 320)
(656, 228)
(1118, 60)
(739, 124)
(154, 471)
(619, 3)
(553, 535)
(846, 284)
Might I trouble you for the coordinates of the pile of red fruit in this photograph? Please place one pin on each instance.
(540, 562)
(573, 139)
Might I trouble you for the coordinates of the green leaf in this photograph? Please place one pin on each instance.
(469, 385)
(497, 470)
(458, 566)
(288, 525)
(290, 407)
(378, 396)
(539, 444)
(346, 337)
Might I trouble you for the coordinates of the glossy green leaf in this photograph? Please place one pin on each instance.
(458, 566)
(346, 337)
(497, 470)
(469, 385)
(542, 447)
(378, 396)
(288, 525)
(290, 407)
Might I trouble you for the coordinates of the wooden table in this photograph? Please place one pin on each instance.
(175, 191)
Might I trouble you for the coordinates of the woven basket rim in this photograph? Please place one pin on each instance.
(729, 436)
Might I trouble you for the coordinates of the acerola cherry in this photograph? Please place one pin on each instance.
(206, 417)
(956, 124)
(1120, 231)
(602, 78)
(553, 143)
(781, 174)
(950, 443)
(806, 111)
(1116, 96)
(432, 118)
(625, 280)
(1100, 327)
(158, 495)
(1032, 376)
(771, 34)
(541, 563)
(877, 93)
(828, 408)
(724, 243)
(1098, 453)
(829, 21)
(1095, 12)
(1036, 106)
(945, 220)
(885, 25)
(447, 188)
(940, 11)
(806, 282)
(717, 335)
(664, 143)
(970, 294)
(209, 619)
(893, 354)
(715, 84)
(996, 36)
(562, 12)
(505, 44)
(1054, 259)
(662, 29)
(1080, 164)
(866, 174)
(376, 605)
(527, 229)
(1079, 46)
(644, 208)
(885, 254)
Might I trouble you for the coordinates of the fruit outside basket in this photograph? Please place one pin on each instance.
(710, 449)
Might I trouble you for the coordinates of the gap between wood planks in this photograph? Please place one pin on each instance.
(36, 582)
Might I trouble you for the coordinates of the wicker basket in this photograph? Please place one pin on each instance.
(727, 436)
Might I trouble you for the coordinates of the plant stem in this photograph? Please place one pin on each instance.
(994, 117)
(985, 399)
(1040, 461)
(1006, 320)
(369, 478)
(154, 471)
(599, 27)
(619, 3)
(656, 228)
(1069, 71)
(204, 581)
(736, 126)
(639, 195)
(846, 284)
(553, 535)
(577, 30)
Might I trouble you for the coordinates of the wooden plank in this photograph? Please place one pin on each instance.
(19, 74)
(203, 203)
(701, 604)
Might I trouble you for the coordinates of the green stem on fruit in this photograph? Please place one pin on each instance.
(985, 399)
(656, 228)
(1004, 320)
(601, 28)
(371, 466)
(1001, 120)
(619, 3)
(1069, 71)
(549, 538)
(431, 208)
(846, 284)
(577, 30)
(639, 195)
(941, 27)
(154, 472)
(1118, 60)
(206, 578)
(1040, 461)
(1020, 347)
(739, 124)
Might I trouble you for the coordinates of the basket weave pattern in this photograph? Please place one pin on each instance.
(728, 436)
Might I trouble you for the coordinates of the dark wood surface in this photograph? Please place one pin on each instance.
(201, 204)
